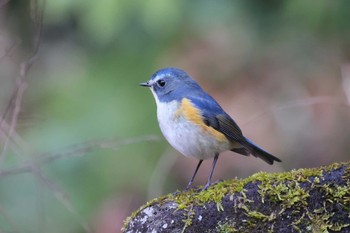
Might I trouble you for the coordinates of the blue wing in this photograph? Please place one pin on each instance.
(214, 116)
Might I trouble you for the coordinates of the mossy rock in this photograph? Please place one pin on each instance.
(304, 200)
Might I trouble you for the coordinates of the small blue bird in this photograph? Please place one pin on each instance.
(194, 123)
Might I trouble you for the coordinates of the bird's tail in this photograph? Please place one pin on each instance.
(259, 152)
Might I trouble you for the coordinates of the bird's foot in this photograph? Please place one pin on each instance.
(206, 186)
(216, 182)
(177, 192)
(188, 187)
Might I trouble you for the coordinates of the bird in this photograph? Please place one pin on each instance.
(194, 123)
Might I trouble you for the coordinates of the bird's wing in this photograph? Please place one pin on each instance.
(214, 116)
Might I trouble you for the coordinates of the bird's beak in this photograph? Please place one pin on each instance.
(146, 84)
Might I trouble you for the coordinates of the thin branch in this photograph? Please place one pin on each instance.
(74, 151)
(14, 105)
(160, 173)
(9, 50)
(17, 108)
(86, 147)
(61, 196)
(298, 103)
(34, 167)
(37, 16)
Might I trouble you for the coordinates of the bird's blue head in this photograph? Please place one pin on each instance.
(170, 84)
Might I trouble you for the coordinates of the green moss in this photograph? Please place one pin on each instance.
(225, 228)
(282, 188)
(213, 194)
(258, 215)
(287, 192)
(188, 221)
(320, 222)
(339, 193)
(288, 188)
(299, 222)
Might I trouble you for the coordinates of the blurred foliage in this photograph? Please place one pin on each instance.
(280, 68)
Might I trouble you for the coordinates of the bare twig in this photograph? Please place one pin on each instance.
(9, 120)
(299, 103)
(73, 151)
(160, 173)
(9, 50)
(34, 166)
(21, 80)
(61, 195)
(17, 108)
(86, 147)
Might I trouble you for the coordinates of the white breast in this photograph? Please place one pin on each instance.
(189, 139)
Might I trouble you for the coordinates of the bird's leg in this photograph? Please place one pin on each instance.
(194, 174)
(211, 172)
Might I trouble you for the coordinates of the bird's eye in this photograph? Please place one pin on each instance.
(161, 83)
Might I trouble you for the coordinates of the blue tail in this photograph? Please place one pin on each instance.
(250, 147)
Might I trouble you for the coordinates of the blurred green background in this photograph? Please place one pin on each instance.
(86, 135)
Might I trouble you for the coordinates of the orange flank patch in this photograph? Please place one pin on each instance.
(192, 114)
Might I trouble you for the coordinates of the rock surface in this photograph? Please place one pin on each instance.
(304, 200)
